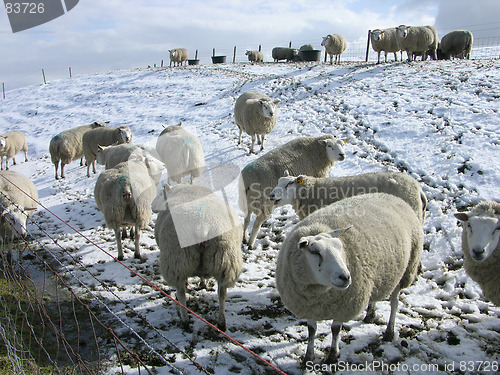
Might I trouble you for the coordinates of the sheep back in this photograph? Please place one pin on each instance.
(219, 256)
(382, 250)
(249, 117)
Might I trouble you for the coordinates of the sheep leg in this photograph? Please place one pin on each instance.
(370, 313)
(311, 329)
(88, 168)
(253, 141)
(255, 230)
(334, 349)
(93, 167)
(222, 291)
(56, 165)
(181, 298)
(119, 243)
(389, 332)
(239, 139)
(81, 162)
(14, 160)
(262, 138)
(137, 235)
(246, 222)
(25, 155)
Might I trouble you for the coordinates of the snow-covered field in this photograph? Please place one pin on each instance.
(438, 121)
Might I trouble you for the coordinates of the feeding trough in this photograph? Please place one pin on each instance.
(310, 55)
(219, 59)
(194, 62)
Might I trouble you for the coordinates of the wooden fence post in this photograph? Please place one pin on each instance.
(260, 47)
(290, 44)
(368, 45)
(234, 55)
(70, 72)
(43, 74)
(196, 55)
(3, 89)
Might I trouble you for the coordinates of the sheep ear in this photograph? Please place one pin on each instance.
(286, 173)
(29, 209)
(300, 180)
(276, 101)
(462, 216)
(252, 101)
(345, 140)
(303, 243)
(339, 232)
(323, 142)
(180, 123)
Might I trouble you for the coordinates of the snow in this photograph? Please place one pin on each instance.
(437, 121)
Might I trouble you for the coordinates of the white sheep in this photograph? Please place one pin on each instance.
(181, 152)
(346, 257)
(308, 194)
(67, 145)
(334, 45)
(255, 56)
(284, 53)
(92, 139)
(422, 39)
(12, 143)
(312, 156)
(124, 195)
(110, 156)
(385, 40)
(481, 247)
(198, 235)
(18, 200)
(178, 56)
(456, 44)
(255, 114)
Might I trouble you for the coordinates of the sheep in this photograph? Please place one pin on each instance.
(18, 200)
(102, 137)
(334, 44)
(255, 56)
(481, 247)
(110, 156)
(284, 53)
(198, 235)
(178, 55)
(11, 143)
(124, 195)
(418, 39)
(308, 194)
(255, 114)
(457, 44)
(385, 40)
(67, 145)
(313, 156)
(346, 257)
(181, 152)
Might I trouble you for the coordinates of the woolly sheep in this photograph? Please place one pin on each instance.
(255, 56)
(481, 247)
(124, 195)
(385, 40)
(308, 194)
(178, 55)
(102, 137)
(322, 273)
(284, 53)
(181, 152)
(334, 44)
(67, 145)
(457, 44)
(255, 114)
(18, 200)
(312, 156)
(11, 143)
(417, 39)
(198, 235)
(110, 156)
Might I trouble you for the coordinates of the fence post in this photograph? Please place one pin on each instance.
(234, 55)
(368, 45)
(213, 53)
(290, 44)
(3, 89)
(70, 72)
(196, 55)
(43, 74)
(260, 47)
(162, 63)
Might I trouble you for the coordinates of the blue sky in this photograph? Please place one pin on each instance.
(103, 35)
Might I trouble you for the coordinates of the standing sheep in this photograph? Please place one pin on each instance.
(255, 114)
(308, 194)
(12, 143)
(181, 152)
(255, 56)
(481, 247)
(385, 40)
(18, 200)
(94, 138)
(284, 53)
(178, 55)
(346, 257)
(67, 145)
(456, 44)
(423, 39)
(334, 44)
(312, 156)
(124, 195)
(198, 235)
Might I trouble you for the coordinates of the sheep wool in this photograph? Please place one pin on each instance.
(11, 143)
(178, 56)
(284, 53)
(481, 247)
(419, 39)
(335, 45)
(385, 40)
(456, 44)
(255, 56)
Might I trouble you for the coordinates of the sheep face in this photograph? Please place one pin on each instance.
(402, 31)
(3, 142)
(286, 190)
(125, 134)
(268, 107)
(14, 220)
(377, 34)
(334, 149)
(483, 234)
(325, 256)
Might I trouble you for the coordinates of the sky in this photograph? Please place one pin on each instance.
(98, 35)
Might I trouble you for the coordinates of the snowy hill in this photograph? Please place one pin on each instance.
(438, 121)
